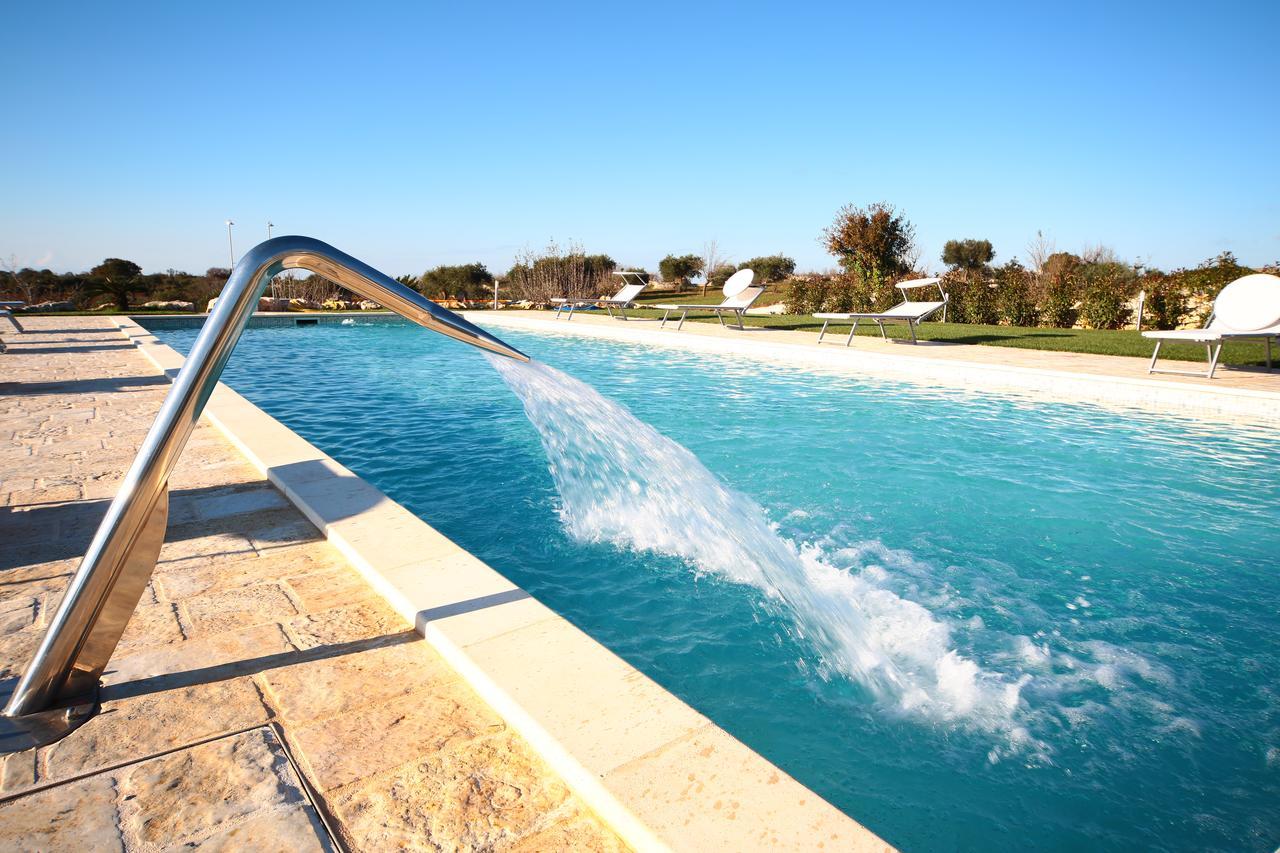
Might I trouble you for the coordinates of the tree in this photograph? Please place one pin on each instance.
(770, 268)
(117, 278)
(464, 281)
(680, 269)
(874, 246)
(970, 256)
(877, 238)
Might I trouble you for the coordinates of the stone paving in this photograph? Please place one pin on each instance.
(262, 691)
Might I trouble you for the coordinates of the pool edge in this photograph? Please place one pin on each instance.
(613, 735)
(1137, 392)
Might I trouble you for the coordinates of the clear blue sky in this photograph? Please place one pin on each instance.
(417, 134)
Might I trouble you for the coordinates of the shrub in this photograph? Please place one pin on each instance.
(807, 295)
(1058, 285)
(1015, 295)
(1106, 290)
(1166, 302)
(971, 299)
(842, 294)
(1202, 284)
(539, 277)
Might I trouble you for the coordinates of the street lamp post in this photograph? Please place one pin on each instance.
(269, 227)
(231, 246)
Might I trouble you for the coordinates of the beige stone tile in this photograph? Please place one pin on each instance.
(334, 587)
(184, 797)
(17, 648)
(593, 703)
(374, 738)
(17, 771)
(210, 546)
(345, 625)
(176, 581)
(481, 794)
(242, 501)
(294, 829)
(241, 607)
(77, 816)
(710, 791)
(577, 830)
(150, 625)
(228, 654)
(323, 688)
(283, 532)
(136, 726)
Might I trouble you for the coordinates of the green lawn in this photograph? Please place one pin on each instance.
(1095, 341)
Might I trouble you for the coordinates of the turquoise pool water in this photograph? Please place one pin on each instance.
(1080, 606)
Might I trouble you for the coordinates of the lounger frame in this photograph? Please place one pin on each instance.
(608, 303)
(1213, 349)
(718, 310)
(881, 318)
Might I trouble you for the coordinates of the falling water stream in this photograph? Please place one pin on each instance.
(621, 481)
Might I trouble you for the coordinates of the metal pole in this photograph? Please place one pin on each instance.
(231, 246)
(102, 595)
(495, 294)
(269, 227)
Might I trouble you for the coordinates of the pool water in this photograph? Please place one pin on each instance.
(991, 623)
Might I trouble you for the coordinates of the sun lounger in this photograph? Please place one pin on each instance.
(622, 300)
(1247, 308)
(906, 311)
(738, 297)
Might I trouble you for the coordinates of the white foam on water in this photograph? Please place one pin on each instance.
(622, 482)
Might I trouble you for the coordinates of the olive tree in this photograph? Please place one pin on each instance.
(680, 269)
(461, 281)
(770, 268)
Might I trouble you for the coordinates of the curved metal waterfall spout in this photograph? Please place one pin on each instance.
(105, 590)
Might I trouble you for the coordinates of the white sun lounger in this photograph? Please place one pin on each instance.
(738, 297)
(622, 300)
(1247, 308)
(906, 311)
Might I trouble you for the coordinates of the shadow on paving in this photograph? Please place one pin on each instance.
(81, 386)
(70, 330)
(248, 666)
(42, 533)
(19, 348)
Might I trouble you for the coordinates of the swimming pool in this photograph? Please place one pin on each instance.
(1093, 595)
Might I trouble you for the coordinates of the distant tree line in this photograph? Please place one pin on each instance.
(115, 282)
(875, 248)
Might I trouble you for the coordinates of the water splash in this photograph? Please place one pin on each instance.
(622, 482)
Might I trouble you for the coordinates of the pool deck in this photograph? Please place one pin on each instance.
(312, 667)
(1234, 393)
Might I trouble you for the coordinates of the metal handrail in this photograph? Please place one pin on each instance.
(121, 558)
